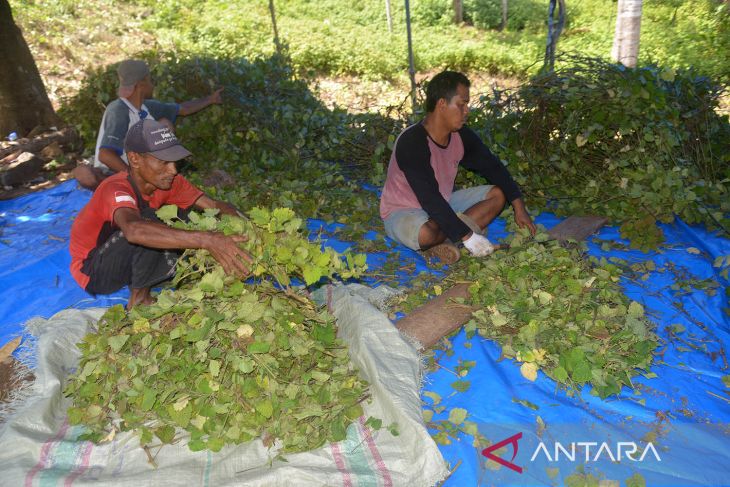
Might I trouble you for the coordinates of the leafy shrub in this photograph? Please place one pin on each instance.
(338, 37)
(487, 14)
(433, 12)
(271, 134)
(598, 138)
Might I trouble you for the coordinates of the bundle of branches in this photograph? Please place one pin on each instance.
(222, 361)
(636, 145)
(552, 310)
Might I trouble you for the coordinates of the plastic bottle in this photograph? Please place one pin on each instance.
(12, 136)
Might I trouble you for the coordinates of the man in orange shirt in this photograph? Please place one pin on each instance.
(117, 240)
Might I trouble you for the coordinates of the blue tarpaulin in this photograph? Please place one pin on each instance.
(684, 412)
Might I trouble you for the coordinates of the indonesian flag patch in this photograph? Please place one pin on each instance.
(120, 197)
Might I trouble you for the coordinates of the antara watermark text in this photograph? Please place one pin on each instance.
(582, 451)
(591, 451)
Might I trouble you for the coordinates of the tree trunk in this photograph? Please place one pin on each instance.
(628, 28)
(458, 11)
(388, 16)
(504, 14)
(24, 103)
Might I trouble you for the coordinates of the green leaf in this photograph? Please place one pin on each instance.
(560, 374)
(259, 216)
(145, 436)
(461, 385)
(181, 417)
(338, 431)
(457, 416)
(636, 310)
(324, 334)
(212, 282)
(215, 444)
(311, 274)
(526, 403)
(117, 342)
(265, 408)
(498, 319)
(196, 445)
(215, 367)
(166, 434)
(320, 376)
(374, 423)
(259, 347)
(75, 415)
(636, 480)
(245, 365)
(148, 399)
(582, 372)
(167, 212)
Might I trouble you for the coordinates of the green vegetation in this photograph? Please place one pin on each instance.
(335, 37)
(637, 146)
(551, 309)
(272, 135)
(523, 296)
(226, 361)
(352, 37)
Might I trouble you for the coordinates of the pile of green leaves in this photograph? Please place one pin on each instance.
(553, 310)
(636, 145)
(275, 243)
(223, 360)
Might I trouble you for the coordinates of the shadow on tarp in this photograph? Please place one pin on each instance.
(688, 391)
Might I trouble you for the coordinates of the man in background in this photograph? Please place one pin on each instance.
(134, 104)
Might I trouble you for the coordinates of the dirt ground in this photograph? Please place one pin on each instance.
(362, 95)
(67, 42)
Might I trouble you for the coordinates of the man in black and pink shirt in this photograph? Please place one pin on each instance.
(117, 240)
(419, 206)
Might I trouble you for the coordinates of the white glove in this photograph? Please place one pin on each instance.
(478, 245)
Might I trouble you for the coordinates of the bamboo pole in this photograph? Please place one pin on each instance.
(504, 15)
(411, 64)
(273, 23)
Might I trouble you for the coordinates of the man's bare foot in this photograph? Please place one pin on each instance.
(139, 296)
(87, 176)
(447, 252)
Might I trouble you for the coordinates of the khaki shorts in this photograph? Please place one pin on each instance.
(403, 225)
